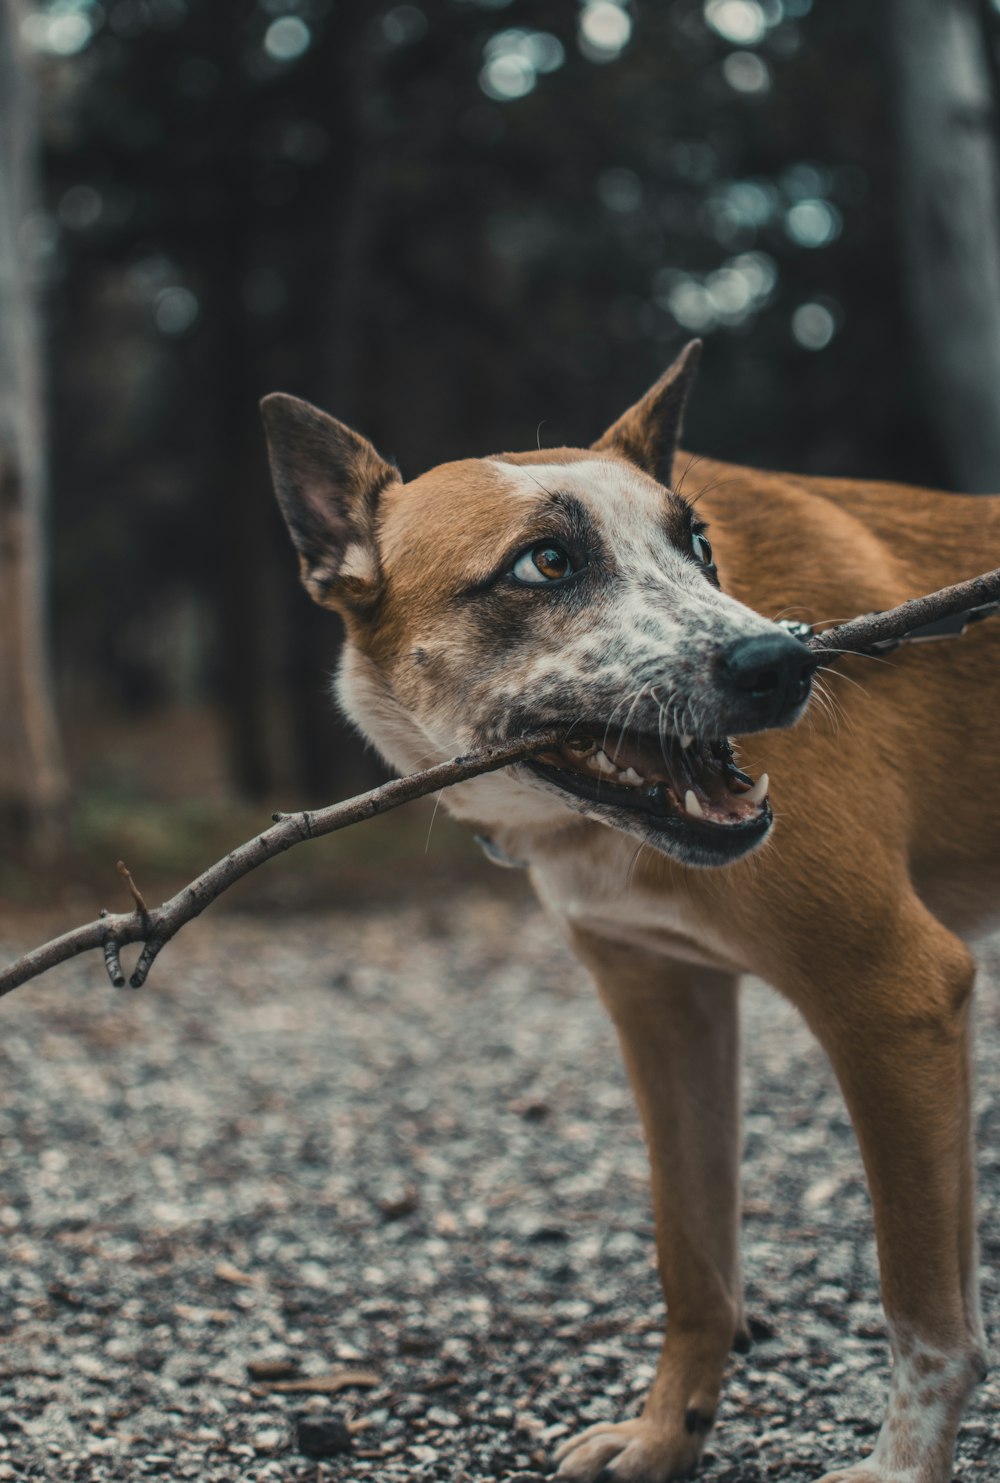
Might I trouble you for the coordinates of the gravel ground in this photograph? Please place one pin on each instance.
(402, 1145)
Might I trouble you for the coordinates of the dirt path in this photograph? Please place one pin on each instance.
(403, 1145)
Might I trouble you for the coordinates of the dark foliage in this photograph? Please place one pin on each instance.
(349, 203)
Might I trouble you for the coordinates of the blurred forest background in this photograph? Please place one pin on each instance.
(449, 222)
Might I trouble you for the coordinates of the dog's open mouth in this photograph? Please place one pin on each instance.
(691, 781)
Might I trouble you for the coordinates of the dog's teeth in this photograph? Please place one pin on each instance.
(691, 804)
(602, 763)
(631, 777)
(758, 792)
(686, 742)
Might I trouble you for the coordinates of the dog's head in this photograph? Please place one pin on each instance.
(568, 590)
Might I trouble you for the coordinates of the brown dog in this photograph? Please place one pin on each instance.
(577, 589)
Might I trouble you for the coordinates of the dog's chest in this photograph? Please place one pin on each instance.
(599, 891)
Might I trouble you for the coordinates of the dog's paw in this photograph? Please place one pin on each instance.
(627, 1452)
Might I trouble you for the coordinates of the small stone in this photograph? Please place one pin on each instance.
(268, 1440)
(395, 1206)
(423, 1453)
(322, 1436)
(272, 1369)
(438, 1416)
(528, 1425)
(553, 1432)
(227, 1272)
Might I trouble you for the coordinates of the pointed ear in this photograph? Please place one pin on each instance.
(648, 433)
(328, 480)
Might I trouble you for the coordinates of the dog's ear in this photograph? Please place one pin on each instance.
(648, 433)
(328, 480)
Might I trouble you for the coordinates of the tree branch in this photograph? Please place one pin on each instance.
(155, 927)
(861, 633)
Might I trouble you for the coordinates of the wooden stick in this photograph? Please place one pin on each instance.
(860, 633)
(155, 927)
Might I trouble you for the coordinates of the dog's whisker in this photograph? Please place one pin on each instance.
(855, 654)
(691, 464)
(631, 712)
(693, 501)
(430, 826)
(837, 674)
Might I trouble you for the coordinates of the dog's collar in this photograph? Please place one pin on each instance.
(942, 628)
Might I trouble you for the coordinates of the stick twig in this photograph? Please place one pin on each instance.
(861, 633)
(154, 927)
(136, 894)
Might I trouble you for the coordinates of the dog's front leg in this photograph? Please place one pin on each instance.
(678, 1027)
(898, 1036)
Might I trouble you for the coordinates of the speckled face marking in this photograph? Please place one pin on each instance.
(576, 595)
(571, 591)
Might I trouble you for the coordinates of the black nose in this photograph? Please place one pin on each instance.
(771, 674)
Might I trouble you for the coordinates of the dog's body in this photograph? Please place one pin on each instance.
(573, 588)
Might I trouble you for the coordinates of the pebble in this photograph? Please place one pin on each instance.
(322, 1436)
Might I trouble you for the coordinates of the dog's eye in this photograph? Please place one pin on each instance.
(545, 562)
(702, 548)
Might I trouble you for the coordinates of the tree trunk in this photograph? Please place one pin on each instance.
(327, 753)
(950, 206)
(32, 783)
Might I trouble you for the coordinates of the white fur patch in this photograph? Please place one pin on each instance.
(927, 1396)
(358, 563)
(598, 893)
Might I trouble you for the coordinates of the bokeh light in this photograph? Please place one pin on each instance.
(813, 222)
(287, 38)
(515, 58)
(605, 30)
(63, 32)
(175, 310)
(746, 73)
(727, 297)
(813, 326)
(507, 77)
(742, 22)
